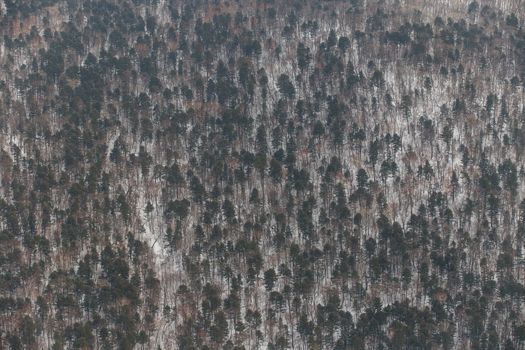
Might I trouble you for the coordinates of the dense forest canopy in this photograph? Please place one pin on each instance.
(262, 174)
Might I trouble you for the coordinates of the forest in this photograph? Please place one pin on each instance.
(262, 174)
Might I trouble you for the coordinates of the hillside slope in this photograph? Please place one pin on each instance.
(262, 174)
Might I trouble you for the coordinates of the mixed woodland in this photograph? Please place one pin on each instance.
(262, 174)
